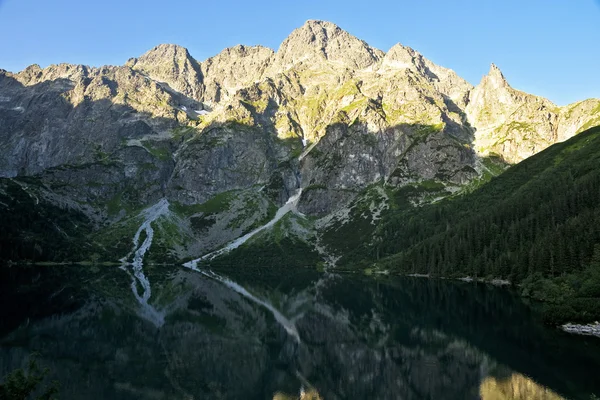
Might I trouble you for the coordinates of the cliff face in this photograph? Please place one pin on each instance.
(326, 112)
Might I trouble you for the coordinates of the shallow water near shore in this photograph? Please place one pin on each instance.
(254, 333)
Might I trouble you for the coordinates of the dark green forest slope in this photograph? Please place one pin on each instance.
(537, 224)
(33, 229)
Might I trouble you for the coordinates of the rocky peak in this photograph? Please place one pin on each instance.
(33, 69)
(30, 74)
(493, 88)
(241, 51)
(445, 80)
(508, 122)
(324, 41)
(232, 69)
(173, 65)
(34, 74)
(495, 78)
(400, 56)
(163, 52)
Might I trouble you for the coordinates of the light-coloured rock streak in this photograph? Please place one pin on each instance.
(290, 205)
(151, 214)
(288, 325)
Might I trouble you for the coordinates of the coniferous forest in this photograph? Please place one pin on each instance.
(536, 225)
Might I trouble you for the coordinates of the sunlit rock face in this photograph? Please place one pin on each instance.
(233, 69)
(321, 42)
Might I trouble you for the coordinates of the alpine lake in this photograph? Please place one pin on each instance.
(170, 332)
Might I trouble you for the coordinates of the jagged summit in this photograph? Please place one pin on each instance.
(516, 124)
(318, 23)
(495, 77)
(325, 41)
(161, 53)
(239, 51)
(401, 57)
(243, 49)
(171, 64)
(232, 69)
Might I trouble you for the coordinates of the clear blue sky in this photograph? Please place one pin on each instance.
(546, 47)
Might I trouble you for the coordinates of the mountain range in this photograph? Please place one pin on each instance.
(340, 127)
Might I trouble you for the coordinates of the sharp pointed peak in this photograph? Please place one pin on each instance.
(495, 71)
(399, 45)
(496, 77)
(400, 57)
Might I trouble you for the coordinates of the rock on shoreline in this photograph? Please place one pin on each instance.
(589, 330)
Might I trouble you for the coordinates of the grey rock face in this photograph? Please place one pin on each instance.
(223, 158)
(64, 112)
(96, 136)
(173, 65)
(349, 158)
(233, 69)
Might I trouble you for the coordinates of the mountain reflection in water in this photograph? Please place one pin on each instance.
(515, 387)
(359, 338)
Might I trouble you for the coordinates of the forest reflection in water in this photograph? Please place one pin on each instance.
(358, 337)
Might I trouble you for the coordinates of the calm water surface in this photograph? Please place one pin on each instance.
(263, 334)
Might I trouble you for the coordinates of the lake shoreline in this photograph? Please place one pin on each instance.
(589, 329)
